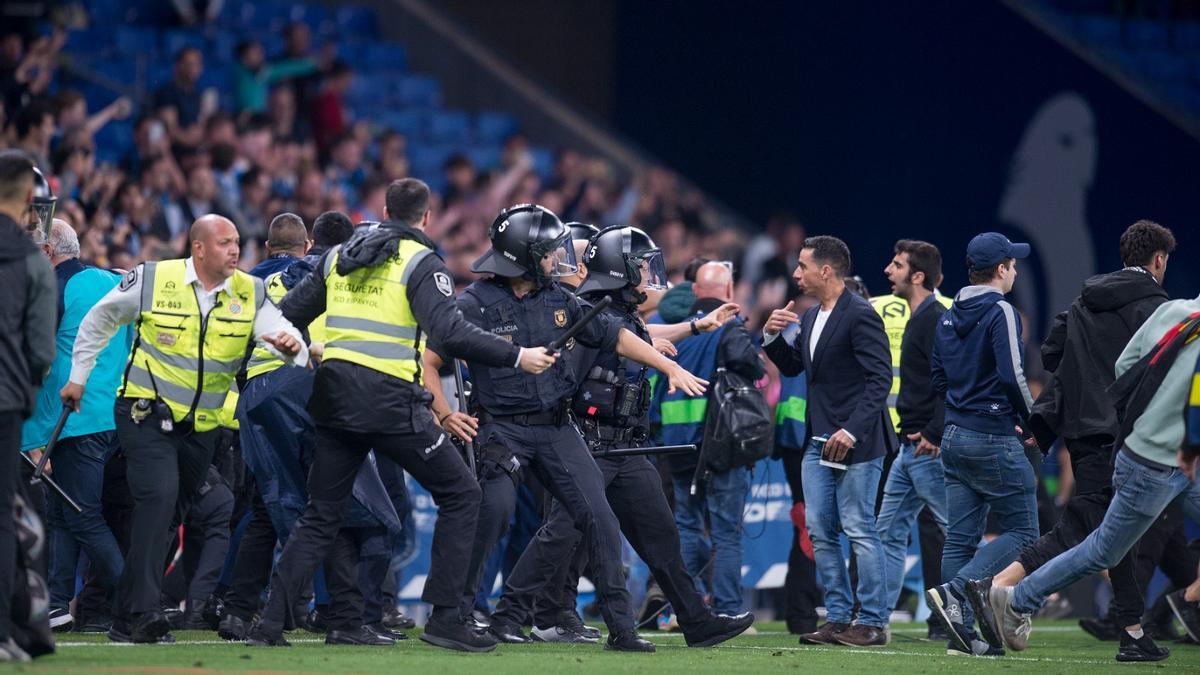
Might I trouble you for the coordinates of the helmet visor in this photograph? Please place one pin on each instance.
(653, 270)
(557, 258)
(39, 218)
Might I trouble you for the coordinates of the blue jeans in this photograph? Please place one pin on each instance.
(838, 502)
(914, 482)
(985, 472)
(723, 498)
(78, 467)
(1140, 494)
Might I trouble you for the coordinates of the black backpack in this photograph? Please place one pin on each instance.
(739, 428)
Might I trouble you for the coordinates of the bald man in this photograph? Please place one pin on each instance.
(195, 319)
(720, 499)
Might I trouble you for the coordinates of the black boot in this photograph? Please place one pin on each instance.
(453, 633)
(718, 629)
(628, 641)
(1140, 649)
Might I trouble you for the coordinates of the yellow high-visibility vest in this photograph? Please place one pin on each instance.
(368, 319)
(894, 311)
(186, 359)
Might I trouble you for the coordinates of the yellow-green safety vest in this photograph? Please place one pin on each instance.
(894, 311)
(186, 359)
(262, 361)
(228, 415)
(368, 319)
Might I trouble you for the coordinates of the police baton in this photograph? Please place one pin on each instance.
(54, 487)
(592, 313)
(468, 446)
(654, 450)
(40, 470)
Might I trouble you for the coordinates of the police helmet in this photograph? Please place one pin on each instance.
(41, 210)
(583, 231)
(620, 256)
(528, 240)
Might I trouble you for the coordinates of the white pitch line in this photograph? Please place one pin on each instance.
(891, 652)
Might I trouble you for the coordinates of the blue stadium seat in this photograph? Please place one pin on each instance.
(419, 90)
(1185, 36)
(1146, 34)
(412, 122)
(379, 57)
(222, 47)
(136, 40)
(121, 70)
(543, 160)
(115, 135)
(493, 127)
(449, 126)
(485, 157)
(356, 21)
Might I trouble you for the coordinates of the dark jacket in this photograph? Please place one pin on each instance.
(28, 317)
(1081, 352)
(349, 396)
(978, 363)
(849, 375)
(921, 409)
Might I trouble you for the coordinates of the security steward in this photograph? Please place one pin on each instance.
(382, 292)
(194, 320)
(611, 408)
(524, 420)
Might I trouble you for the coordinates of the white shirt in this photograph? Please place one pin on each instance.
(122, 305)
(818, 327)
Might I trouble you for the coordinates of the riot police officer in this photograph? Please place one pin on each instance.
(611, 406)
(382, 292)
(524, 421)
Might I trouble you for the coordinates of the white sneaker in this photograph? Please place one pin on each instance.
(1014, 626)
(61, 620)
(560, 634)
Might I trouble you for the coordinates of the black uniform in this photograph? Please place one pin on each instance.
(524, 422)
(543, 577)
(356, 409)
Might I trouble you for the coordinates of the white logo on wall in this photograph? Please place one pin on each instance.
(1046, 197)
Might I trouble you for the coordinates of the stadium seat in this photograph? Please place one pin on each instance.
(419, 90)
(485, 157)
(132, 40)
(449, 126)
(1146, 34)
(356, 21)
(175, 40)
(493, 127)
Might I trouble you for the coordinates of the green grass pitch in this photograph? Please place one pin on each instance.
(1056, 647)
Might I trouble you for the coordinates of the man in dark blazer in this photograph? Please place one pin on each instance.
(843, 351)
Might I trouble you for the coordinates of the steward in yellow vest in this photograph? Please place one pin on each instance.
(195, 319)
(895, 313)
(383, 293)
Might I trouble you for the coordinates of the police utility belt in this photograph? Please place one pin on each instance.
(610, 408)
(143, 409)
(555, 417)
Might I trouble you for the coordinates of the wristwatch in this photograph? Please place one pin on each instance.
(695, 330)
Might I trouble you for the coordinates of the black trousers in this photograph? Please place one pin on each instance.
(634, 490)
(164, 471)
(206, 536)
(800, 585)
(10, 473)
(1083, 513)
(429, 457)
(252, 563)
(1165, 546)
(561, 461)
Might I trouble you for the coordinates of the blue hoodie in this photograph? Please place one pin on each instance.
(977, 363)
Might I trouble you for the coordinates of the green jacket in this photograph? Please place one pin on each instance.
(250, 86)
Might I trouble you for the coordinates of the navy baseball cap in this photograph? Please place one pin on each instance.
(992, 248)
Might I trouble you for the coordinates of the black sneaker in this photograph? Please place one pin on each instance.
(150, 628)
(1140, 649)
(628, 641)
(569, 618)
(61, 620)
(978, 648)
(947, 608)
(232, 628)
(361, 636)
(121, 631)
(394, 619)
(719, 628)
(937, 632)
(94, 624)
(978, 592)
(383, 630)
(258, 636)
(508, 633)
(1187, 613)
(1100, 628)
(456, 635)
